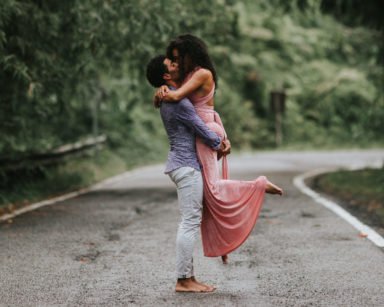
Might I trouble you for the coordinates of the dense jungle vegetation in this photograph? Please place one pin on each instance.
(63, 61)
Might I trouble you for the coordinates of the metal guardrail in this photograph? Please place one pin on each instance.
(53, 156)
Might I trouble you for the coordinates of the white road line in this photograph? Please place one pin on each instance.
(298, 181)
(61, 198)
(43, 203)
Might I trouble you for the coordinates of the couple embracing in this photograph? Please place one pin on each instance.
(225, 210)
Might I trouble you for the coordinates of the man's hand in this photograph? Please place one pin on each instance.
(225, 149)
(226, 146)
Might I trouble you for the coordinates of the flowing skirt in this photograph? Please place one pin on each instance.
(231, 207)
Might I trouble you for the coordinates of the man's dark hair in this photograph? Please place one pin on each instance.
(156, 70)
(196, 49)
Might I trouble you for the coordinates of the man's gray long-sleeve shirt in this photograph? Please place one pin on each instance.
(183, 125)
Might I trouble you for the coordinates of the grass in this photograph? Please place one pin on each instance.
(20, 188)
(361, 192)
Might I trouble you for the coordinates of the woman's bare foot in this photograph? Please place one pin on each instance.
(224, 258)
(189, 285)
(273, 189)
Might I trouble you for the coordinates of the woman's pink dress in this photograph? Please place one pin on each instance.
(231, 207)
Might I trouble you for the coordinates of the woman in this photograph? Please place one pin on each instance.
(231, 207)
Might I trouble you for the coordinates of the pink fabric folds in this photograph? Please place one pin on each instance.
(231, 207)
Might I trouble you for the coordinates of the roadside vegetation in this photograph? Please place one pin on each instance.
(360, 192)
(72, 69)
(28, 185)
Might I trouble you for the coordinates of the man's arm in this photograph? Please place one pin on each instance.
(186, 113)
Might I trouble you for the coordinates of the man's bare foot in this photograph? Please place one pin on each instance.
(189, 285)
(207, 287)
(273, 189)
(224, 258)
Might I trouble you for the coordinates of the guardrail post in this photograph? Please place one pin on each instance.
(95, 119)
(277, 104)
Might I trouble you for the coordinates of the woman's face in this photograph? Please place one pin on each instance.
(175, 56)
(187, 65)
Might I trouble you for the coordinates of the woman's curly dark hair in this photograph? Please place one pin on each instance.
(196, 49)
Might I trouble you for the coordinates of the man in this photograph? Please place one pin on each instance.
(183, 125)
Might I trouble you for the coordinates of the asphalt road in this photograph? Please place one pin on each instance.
(115, 246)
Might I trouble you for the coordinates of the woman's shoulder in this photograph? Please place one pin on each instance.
(201, 72)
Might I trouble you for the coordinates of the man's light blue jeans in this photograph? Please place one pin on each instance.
(189, 185)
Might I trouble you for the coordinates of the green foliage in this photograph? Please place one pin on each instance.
(59, 61)
(331, 73)
(45, 48)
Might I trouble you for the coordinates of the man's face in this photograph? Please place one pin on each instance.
(173, 69)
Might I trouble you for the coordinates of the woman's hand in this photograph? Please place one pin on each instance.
(171, 96)
(162, 92)
(159, 95)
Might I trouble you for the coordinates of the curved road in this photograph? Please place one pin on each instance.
(115, 246)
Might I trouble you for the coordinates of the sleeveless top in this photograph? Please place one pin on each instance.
(200, 102)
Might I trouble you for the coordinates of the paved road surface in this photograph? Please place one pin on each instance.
(115, 246)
